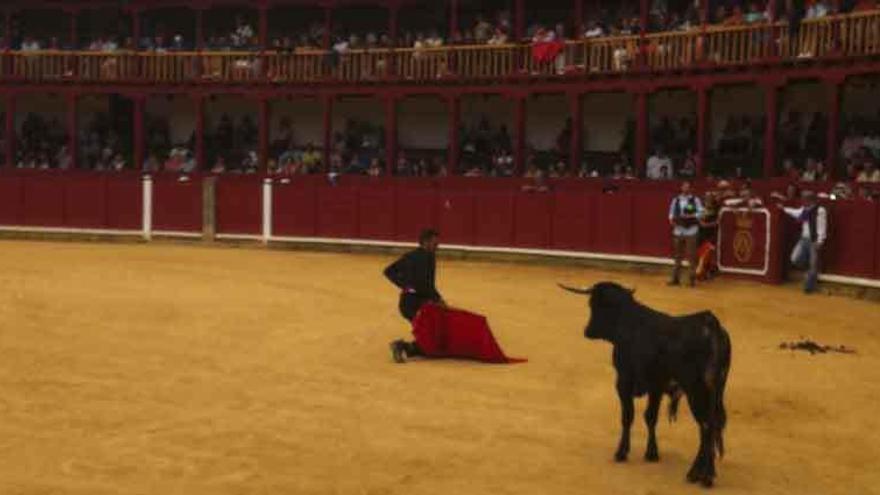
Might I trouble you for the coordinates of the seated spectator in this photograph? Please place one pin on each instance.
(594, 29)
(243, 34)
(311, 157)
(219, 165)
(532, 171)
(790, 197)
(688, 169)
(851, 171)
(656, 163)
(499, 37)
(537, 184)
(30, 45)
(819, 8)
(249, 163)
(118, 163)
(176, 161)
(482, 30)
(558, 170)
(869, 173)
(755, 14)
(375, 169)
(810, 171)
(63, 160)
(665, 174)
(403, 169)
(789, 171)
(821, 173)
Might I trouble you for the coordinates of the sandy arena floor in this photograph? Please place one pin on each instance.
(164, 369)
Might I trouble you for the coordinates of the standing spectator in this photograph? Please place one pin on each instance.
(706, 266)
(656, 163)
(684, 213)
(814, 229)
(870, 173)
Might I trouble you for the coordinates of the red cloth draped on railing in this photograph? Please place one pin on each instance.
(546, 51)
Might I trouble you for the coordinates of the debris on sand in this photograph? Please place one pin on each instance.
(813, 347)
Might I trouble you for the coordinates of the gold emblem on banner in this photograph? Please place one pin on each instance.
(743, 242)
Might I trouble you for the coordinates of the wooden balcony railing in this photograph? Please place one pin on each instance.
(851, 35)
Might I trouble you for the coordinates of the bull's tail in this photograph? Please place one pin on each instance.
(716, 378)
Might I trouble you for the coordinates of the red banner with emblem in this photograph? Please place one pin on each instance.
(744, 241)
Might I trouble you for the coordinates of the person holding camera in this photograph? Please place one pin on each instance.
(684, 216)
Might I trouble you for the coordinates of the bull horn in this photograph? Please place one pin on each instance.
(576, 291)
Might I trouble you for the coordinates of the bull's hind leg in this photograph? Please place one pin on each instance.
(651, 414)
(624, 393)
(703, 468)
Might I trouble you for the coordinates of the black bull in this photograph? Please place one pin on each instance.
(655, 353)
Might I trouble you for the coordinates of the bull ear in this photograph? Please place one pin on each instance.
(576, 291)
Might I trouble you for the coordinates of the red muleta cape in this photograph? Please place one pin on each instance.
(453, 333)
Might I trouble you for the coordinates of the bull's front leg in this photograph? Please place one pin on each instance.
(651, 413)
(624, 393)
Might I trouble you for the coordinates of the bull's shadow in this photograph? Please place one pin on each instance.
(656, 354)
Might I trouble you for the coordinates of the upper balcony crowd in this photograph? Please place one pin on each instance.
(298, 45)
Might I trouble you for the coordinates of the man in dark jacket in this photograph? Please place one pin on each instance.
(414, 274)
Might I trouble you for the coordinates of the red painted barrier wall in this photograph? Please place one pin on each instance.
(239, 203)
(76, 200)
(576, 216)
(483, 212)
(177, 205)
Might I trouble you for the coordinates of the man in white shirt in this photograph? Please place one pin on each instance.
(684, 214)
(656, 163)
(814, 230)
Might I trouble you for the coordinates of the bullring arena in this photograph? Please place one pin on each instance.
(171, 368)
(198, 199)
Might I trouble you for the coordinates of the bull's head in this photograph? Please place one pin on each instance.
(607, 302)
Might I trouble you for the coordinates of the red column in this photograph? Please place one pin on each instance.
(644, 8)
(577, 132)
(6, 68)
(328, 26)
(453, 18)
(200, 28)
(390, 133)
(703, 128)
(771, 114)
(11, 138)
(393, 14)
(519, 138)
(200, 132)
(139, 141)
(641, 152)
(74, 39)
(7, 34)
(519, 20)
(328, 130)
(72, 128)
(578, 25)
(264, 27)
(454, 104)
(832, 145)
(264, 128)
